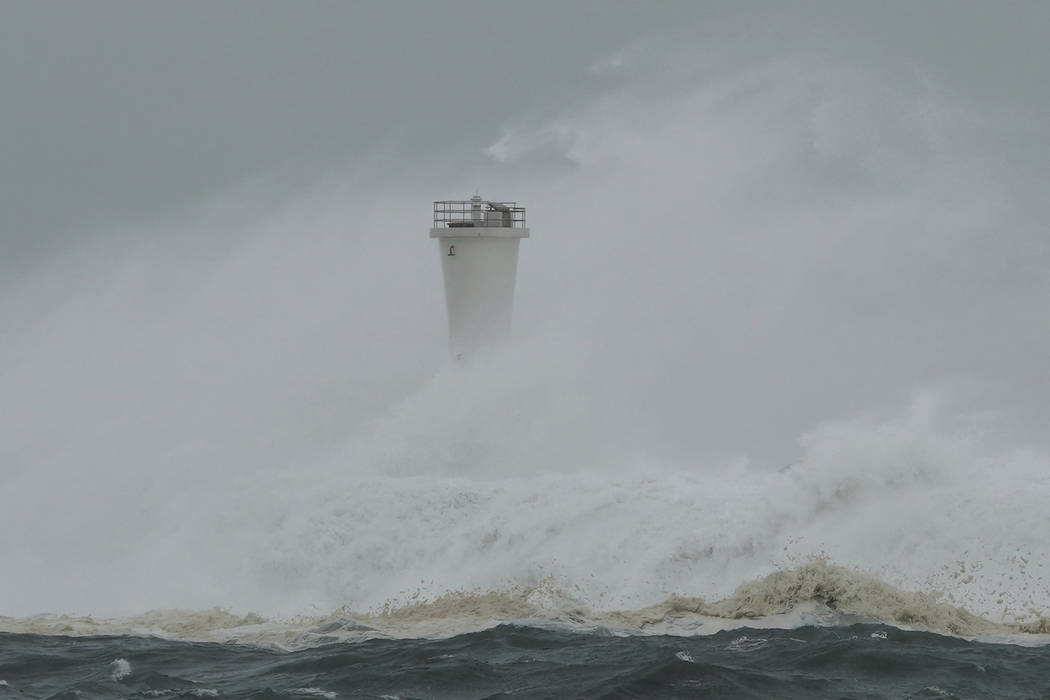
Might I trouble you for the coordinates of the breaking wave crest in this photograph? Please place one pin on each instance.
(816, 593)
(407, 539)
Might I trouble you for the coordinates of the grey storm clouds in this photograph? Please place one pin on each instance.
(113, 111)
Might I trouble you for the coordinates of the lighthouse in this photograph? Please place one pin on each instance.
(478, 241)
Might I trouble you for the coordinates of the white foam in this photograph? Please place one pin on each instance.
(905, 526)
(314, 692)
(119, 669)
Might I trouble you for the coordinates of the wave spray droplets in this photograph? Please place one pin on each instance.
(639, 548)
(249, 414)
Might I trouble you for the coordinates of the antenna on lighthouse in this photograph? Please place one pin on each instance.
(478, 240)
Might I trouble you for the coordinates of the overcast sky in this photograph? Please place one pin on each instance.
(116, 112)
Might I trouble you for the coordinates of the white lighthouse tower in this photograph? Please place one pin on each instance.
(478, 241)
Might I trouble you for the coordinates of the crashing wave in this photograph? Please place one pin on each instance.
(816, 593)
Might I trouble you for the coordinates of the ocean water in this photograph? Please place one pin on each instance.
(854, 661)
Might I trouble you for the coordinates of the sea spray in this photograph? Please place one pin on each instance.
(248, 411)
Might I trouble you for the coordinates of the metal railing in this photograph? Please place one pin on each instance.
(478, 213)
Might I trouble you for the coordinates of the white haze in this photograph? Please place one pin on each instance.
(735, 265)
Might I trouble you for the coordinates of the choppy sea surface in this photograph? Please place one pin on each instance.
(854, 661)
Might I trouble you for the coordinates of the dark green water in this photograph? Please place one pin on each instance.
(860, 661)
